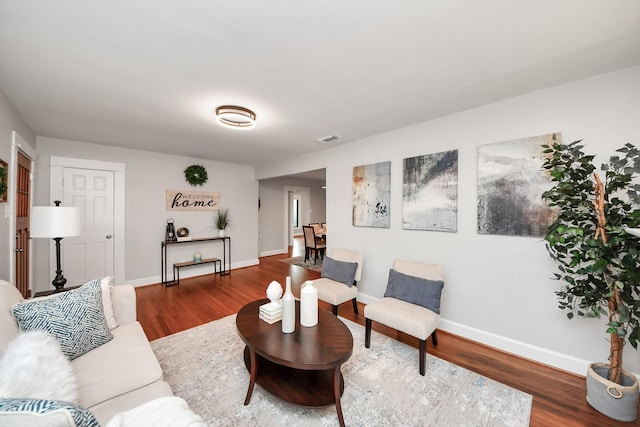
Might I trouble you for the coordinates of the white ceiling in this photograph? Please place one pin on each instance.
(147, 74)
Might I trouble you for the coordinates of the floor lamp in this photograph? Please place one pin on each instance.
(55, 222)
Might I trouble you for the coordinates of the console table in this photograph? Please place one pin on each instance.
(164, 245)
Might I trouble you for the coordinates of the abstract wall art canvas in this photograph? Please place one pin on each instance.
(510, 186)
(372, 195)
(430, 192)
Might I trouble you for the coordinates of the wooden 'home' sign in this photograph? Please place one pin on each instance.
(178, 200)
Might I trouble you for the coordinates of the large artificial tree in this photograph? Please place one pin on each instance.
(598, 261)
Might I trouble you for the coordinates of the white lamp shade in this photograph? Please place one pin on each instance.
(55, 221)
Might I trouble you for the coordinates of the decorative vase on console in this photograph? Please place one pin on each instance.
(288, 309)
(308, 304)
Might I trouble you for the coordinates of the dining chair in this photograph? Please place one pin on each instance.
(311, 244)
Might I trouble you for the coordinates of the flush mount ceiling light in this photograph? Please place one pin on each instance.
(234, 117)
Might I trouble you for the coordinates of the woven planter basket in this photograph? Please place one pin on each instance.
(616, 401)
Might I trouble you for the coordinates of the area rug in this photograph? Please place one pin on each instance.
(299, 261)
(204, 366)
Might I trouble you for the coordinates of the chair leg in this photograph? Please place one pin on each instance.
(355, 306)
(367, 333)
(434, 338)
(422, 353)
(334, 310)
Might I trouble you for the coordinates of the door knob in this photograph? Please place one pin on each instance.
(19, 250)
(108, 236)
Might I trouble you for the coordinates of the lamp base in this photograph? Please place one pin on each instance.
(59, 282)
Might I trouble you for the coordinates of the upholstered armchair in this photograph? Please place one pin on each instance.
(411, 303)
(341, 271)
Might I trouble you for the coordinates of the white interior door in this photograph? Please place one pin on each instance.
(90, 255)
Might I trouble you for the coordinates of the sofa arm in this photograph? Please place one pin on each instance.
(123, 299)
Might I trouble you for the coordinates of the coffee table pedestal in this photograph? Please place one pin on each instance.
(311, 389)
(302, 368)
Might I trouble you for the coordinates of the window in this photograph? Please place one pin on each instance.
(295, 214)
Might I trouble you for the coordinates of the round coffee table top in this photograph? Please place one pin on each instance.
(324, 346)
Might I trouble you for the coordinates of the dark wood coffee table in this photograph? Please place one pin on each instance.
(303, 367)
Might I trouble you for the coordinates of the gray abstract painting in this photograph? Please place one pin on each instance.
(372, 195)
(430, 192)
(510, 186)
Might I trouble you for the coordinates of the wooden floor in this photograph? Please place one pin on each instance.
(558, 397)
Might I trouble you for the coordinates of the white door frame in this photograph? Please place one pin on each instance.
(18, 143)
(56, 192)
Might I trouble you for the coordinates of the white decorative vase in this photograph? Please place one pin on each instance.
(221, 233)
(288, 309)
(617, 401)
(274, 292)
(308, 304)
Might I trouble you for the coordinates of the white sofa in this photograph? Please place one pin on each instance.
(114, 377)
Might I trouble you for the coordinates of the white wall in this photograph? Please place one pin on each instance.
(10, 120)
(498, 288)
(147, 176)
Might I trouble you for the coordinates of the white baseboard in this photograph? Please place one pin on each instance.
(190, 272)
(274, 252)
(518, 348)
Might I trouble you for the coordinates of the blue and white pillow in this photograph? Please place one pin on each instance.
(75, 318)
(45, 412)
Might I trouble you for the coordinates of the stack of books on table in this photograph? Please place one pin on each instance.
(271, 312)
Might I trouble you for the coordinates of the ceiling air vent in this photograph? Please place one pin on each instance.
(327, 138)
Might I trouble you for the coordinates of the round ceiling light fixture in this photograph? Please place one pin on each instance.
(234, 117)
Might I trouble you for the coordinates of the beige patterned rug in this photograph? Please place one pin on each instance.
(204, 365)
(300, 262)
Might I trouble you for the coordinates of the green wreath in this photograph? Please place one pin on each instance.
(196, 175)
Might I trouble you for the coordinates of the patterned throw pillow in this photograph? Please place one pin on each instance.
(45, 413)
(75, 318)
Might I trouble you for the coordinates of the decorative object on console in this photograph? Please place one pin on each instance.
(288, 309)
(182, 232)
(372, 195)
(222, 221)
(55, 222)
(510, 181)
(598, 262)
(196, 175)
(197, 257)
(271, 312)
(308, 304)
(170, 233)
(430, 192)
(3, 181)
